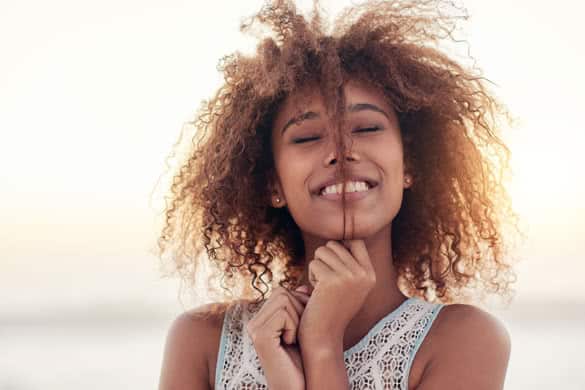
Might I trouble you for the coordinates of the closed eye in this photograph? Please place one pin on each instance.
(303, 140)
(359, 130)
(367, 129)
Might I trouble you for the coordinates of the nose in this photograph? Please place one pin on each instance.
(331, 158)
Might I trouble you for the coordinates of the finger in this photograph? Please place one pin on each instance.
(275, 302)
(329, 257)
(295, 302)
(360, 253)
(318, 271)
(344, 254)
(261, 323)
(293, 312)
(303, 297)
(303, 288)
(283, 324)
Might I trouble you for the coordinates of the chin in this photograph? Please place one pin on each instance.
(360, 232)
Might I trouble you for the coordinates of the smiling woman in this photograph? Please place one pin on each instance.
(308, 166)
(352, 167)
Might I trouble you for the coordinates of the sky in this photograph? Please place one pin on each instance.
(93, 96)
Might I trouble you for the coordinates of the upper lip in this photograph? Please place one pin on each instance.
(333, 180)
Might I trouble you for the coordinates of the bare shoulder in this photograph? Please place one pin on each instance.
(460, 321)
(470, 349)
(191, 344)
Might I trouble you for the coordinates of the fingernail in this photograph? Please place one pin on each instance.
(303, 289)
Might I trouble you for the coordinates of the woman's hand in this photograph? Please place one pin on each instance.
(273, 331)
(342, 279)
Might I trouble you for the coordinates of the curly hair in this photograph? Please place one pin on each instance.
(448, 237)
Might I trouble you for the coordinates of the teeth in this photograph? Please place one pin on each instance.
(352, 186)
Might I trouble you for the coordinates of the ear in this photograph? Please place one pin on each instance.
(407, 180)
(277, 199)
(408, 169)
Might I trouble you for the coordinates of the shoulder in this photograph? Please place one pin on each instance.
(463, 321)
(471, 349)
(194, 325)
(192, 341)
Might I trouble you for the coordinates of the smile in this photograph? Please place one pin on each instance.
(354, 190)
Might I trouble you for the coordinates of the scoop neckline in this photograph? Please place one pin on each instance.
(377, 327)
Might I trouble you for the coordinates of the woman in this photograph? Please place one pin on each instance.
(356, 168)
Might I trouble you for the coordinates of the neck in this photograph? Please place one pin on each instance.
(385, 296)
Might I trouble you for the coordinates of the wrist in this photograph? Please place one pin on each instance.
(331, 339)
(321, 349)
(325, 357)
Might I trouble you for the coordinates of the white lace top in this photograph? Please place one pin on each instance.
(380, 360)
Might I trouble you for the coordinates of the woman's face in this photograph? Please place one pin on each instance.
(305, 158)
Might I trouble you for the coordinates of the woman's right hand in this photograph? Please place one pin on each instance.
(273, 331)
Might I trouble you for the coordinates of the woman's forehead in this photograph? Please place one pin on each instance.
(309, 99)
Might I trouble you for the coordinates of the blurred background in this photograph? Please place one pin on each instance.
(93, 96)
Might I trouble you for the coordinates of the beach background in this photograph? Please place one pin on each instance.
(93, 97)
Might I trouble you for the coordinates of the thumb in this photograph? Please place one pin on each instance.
(303, 289)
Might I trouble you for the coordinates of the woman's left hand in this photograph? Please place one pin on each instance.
(341, 280)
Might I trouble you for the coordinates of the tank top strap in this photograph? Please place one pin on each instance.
(219, 366)
(237, 362)
(428, 312)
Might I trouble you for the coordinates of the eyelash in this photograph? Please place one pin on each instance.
(361, 130)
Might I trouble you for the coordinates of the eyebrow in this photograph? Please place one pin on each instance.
(352, 108)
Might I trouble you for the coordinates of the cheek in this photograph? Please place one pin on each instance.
(390, 161)
(294, 172)
(388, 155)
(396, 177)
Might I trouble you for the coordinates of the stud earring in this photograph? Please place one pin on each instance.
(277, 199)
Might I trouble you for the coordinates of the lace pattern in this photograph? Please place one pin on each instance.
(238, 365)
(381, 360)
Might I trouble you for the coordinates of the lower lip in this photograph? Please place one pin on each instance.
(349, 196)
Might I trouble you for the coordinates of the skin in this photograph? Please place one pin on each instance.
(466, 347)
(377, 155)
(363, 264)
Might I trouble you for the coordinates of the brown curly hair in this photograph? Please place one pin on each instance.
(448, 237)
